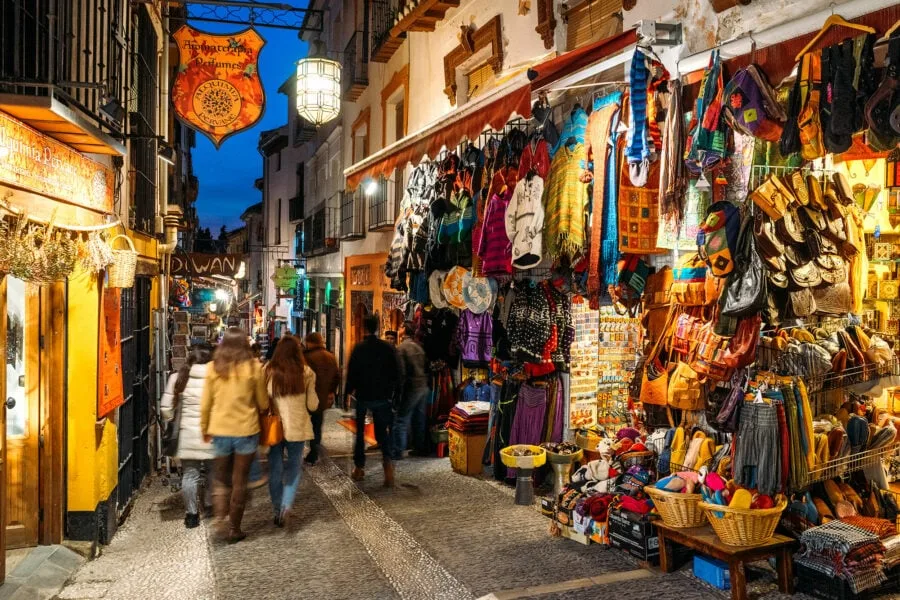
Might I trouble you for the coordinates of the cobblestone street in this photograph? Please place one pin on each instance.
(437, 535)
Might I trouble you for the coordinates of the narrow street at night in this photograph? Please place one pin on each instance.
(437, 535)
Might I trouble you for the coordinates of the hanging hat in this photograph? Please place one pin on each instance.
(453, 287)
(477, 294)
(435, 289)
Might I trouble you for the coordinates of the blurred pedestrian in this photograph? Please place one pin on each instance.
(390, 337)
(372, 377)
(271, 349)
(328, 376)
(292, 386)
(182, 396)
(410, 408)
(233, 397)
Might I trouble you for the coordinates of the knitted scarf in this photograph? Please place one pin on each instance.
(597, 139)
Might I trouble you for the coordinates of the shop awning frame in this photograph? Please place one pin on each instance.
(492, 111)
(583, 62)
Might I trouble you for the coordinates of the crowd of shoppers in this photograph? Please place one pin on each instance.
(215, 403)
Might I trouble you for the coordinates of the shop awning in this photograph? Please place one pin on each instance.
(555, 69)
(492, 111)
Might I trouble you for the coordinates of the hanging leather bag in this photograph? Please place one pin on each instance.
(745, 290)
(655, 377)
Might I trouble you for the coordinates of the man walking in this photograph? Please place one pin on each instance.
(324, 365)
(373, 374)
(414, 392)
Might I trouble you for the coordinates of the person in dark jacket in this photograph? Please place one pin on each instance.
(373, 375)
(413, 395)
(324, 365)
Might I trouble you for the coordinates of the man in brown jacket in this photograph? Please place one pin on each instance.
(328, 375)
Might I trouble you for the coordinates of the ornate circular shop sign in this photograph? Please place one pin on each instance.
(217, 103)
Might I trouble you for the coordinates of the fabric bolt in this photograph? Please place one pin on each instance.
(597, 149)
(536, 158)
(565, 197)
(474, 336)
(524, 222)
(528, 425)
(574, 127)
(757, 462)
(495, 249)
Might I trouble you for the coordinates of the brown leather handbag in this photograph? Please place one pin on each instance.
(803, 304)
(770, 198)
(813, 218)
(798, 183)
(832, 268)
(816, 196)
(789, 228)
(805, 276)
(271, 430)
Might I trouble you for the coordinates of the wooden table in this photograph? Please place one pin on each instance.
(705, 541)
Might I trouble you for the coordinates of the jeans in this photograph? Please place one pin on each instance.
(196, 474)
(255, 469)
(406, 416)
(225, 445)
(316, 418)
(382, 415)
(283, 482)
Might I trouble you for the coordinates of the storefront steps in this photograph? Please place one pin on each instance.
(38, 573)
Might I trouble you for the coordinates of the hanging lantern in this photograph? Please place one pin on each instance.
(318, 90)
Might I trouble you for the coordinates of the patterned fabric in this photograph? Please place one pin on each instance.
(672, 177)
(524, 222)
(529, 323)
(638, 148)
(474, 336)
(639, 213)
(597, 148)
(565, 197)
(880, 527)
(574, 127)
(495, 249)
(452, 287)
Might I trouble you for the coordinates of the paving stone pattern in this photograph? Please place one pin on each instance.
(438, 535)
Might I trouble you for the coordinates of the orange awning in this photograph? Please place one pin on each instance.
(429, 142)
(565, 64)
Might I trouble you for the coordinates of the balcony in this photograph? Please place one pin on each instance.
(71, 100)
(421, 15)
(380, 19)
(353, 215)
(295, 208)
(356, 66)
(383, 205)
(321, 230)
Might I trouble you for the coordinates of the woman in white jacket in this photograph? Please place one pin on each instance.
(185, 388)
(292, 387)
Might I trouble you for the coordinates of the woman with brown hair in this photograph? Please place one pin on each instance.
(233, 397)
(292, 386)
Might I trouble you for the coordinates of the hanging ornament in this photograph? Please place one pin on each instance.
(97, 254)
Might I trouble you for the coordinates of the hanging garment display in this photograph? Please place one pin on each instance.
(565, 198)
(639, 212)
(525, 222)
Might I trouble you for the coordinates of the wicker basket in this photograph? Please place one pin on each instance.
(743, 527)
(121, 271)
(677, 509)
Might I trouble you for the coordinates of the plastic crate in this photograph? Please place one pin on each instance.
(712, 571)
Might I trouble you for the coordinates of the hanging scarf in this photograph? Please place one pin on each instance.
(638, 149)
(597, 145)
(672, 179)
(610, 242)
(565, 196)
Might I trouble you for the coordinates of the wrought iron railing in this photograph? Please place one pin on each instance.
(353, 216)
(381, 17)
(321, 230)
(77, 50)
(356, 65)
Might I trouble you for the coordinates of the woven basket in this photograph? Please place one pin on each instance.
(677, 509)
(638, 459)
(743, 527)
(121, 271)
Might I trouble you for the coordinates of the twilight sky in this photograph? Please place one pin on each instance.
(227, 175)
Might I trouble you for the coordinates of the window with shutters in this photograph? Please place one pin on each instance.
(592, 20)
(479, 80)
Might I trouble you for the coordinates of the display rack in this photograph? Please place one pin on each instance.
(848, 464)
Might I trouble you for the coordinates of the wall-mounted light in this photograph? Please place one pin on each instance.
(318, 87)
(166, 154)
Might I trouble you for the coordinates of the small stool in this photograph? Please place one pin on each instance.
(525, 464)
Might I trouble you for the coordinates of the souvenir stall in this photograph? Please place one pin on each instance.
(690, 292)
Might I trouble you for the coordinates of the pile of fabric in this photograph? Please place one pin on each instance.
(844, 551)
(470, 418)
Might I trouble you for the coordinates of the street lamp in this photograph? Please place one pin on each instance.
(318, 88)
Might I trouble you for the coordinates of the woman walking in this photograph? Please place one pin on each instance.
(233, 397)
(183, 392)
(292, 385)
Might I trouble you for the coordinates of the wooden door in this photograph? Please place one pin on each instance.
(22, 413)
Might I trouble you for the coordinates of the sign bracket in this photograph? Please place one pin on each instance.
(248, 13)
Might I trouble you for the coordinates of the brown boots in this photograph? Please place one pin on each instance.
(230, 494)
